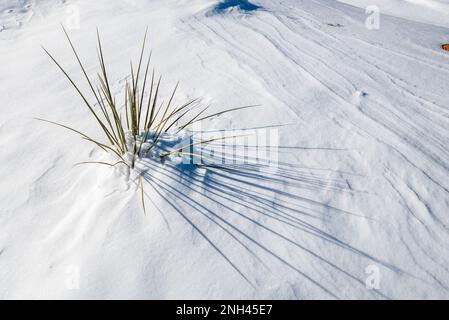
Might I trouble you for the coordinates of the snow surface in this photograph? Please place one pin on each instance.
(364, 164)
(427, 11)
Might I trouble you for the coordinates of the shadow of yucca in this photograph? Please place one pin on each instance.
(232, 196)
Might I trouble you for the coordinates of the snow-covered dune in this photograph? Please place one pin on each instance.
(361, 189)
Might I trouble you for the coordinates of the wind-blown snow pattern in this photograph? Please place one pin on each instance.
(362, 187)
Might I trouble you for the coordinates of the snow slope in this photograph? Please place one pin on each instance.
(362, 182)
(426, 11)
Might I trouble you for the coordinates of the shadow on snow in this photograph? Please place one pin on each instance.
(238, 193)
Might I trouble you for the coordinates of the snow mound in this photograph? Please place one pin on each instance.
(226, 6)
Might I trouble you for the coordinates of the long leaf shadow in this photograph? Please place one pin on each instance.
(238, 191)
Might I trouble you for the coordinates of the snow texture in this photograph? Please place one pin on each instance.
(362, 187)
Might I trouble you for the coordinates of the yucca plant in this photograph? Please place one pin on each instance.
(132, 134)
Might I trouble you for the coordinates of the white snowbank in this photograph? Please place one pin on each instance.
(362, 182)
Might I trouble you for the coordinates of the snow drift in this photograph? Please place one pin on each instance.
(361, 189)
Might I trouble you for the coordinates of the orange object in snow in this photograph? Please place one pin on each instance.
(445, 47)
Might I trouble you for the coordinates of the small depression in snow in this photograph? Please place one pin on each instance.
(242, 6)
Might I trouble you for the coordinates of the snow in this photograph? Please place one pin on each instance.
(426, 11)
(362, 180)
